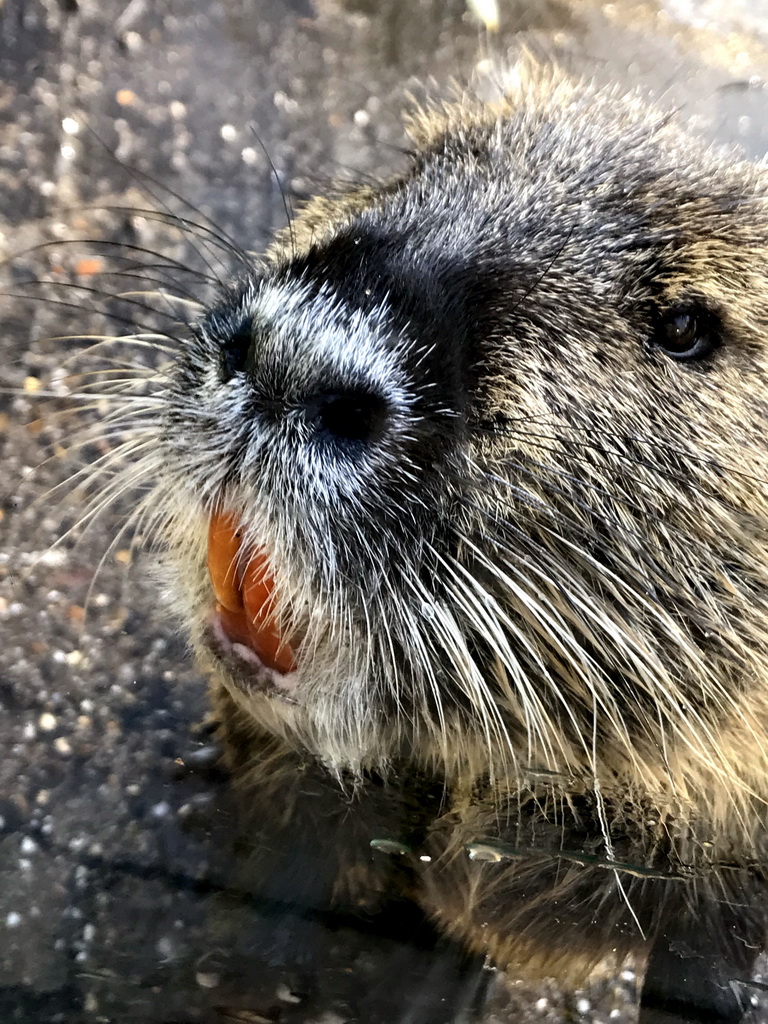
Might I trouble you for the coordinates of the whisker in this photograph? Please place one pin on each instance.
(63, 304)
(145, 180)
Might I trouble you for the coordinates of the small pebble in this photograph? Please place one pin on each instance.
(166, 948)
(207, 980)
(484, 852)
(389, 846)
(285, 995)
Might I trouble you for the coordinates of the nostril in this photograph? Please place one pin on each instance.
(357, 416)
(234, 351)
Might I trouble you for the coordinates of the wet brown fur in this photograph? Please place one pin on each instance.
(608, 510)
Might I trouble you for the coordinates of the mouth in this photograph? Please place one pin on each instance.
(245, 623)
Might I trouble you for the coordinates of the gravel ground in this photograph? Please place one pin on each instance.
(123, 896)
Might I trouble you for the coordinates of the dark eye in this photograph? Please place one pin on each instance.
(356, 416)
(688, 334)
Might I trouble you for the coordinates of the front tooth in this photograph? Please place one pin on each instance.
(223, 551)
(258, 590)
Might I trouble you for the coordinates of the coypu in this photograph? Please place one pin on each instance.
(469, 474)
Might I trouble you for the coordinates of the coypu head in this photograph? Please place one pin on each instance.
(473, 467)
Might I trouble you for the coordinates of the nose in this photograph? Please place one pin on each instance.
(233, 354)
(356, 416)
(338, 414)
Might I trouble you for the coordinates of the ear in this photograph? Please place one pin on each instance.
(497, 89)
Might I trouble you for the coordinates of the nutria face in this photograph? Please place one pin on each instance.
(473, 467)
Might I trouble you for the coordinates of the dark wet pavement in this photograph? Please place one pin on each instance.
(123, 895)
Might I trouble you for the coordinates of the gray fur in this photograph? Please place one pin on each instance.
(552, 562)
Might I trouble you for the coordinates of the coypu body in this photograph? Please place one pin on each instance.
(469, 476)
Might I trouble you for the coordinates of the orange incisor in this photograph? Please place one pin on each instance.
(244, 589)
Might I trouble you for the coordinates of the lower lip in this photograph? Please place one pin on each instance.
(260, 677)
